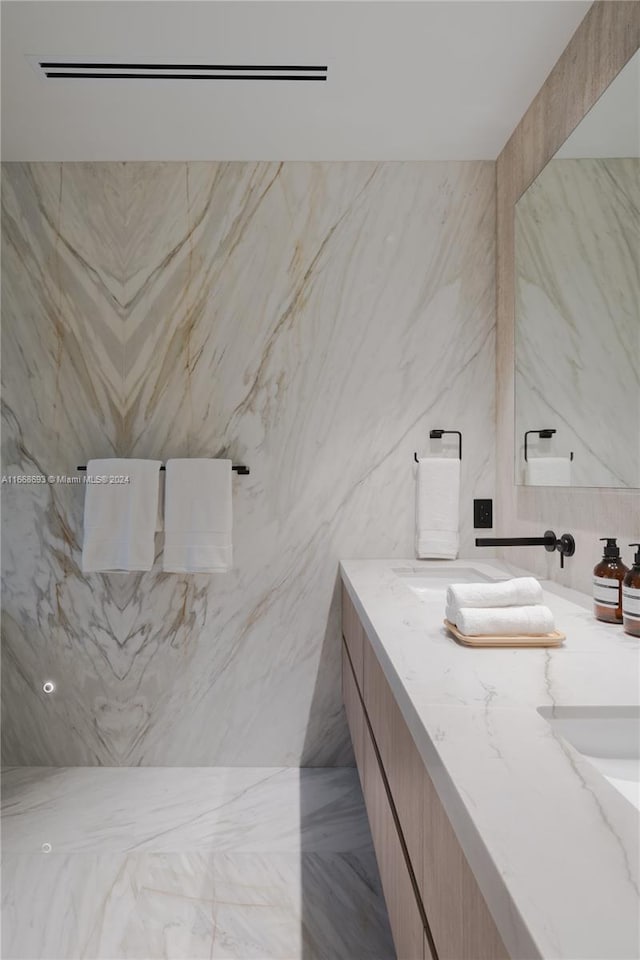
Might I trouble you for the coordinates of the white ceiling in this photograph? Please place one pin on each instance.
(407, 80)
(612, 126)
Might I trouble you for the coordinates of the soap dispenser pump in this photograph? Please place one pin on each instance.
(631, 596)
(607, 583)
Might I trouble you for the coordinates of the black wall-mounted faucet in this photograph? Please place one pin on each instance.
(566, 545)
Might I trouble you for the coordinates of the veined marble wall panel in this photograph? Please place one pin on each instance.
(577, 318)
(310, 320)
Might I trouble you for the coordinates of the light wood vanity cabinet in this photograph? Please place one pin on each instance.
(435, 906)
(402, 904)
(354, 635)
(462, 927)
(400, 759)
(354, 711)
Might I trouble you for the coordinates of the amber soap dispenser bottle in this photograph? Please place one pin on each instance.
(607, 584)
(631, 596)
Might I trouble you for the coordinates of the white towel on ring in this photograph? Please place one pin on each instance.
(437, 508)
(548, 472)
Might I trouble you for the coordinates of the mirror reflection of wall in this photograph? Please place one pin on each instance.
(578, 302)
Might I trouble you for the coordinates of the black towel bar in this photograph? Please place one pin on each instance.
(239, 468)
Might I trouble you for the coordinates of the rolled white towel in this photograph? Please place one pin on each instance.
(518, 592)
(505, 621)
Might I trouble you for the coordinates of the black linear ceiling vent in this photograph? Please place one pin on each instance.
(68, 70)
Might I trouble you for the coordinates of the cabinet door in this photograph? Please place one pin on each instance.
(404, 916)
(353, 633)
(460, 922)
(401, 761)
(354, 711)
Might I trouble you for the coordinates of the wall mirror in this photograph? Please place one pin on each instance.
(577, 281)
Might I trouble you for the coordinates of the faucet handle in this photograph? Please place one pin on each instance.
(566, 547)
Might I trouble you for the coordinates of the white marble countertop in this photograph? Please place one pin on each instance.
(553, 845)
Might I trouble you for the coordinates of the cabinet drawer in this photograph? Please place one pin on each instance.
(354, 711)
(353, 633)
(402, 763)
(461, 925)
(404, 915)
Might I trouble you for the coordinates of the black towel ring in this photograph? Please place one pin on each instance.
(437, 435)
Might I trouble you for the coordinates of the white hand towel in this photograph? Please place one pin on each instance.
(438, 508)
(548, 472)
(197, 516)
(120, 518)
(504, 621)
(518, 592)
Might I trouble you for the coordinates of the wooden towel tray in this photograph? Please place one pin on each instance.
(554, 639)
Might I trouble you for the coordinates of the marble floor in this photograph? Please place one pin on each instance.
(182, 863)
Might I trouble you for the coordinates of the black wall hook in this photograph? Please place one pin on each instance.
(437, 435)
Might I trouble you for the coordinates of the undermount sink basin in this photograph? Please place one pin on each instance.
(431, 583)
(608, 737)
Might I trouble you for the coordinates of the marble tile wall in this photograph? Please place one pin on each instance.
(310, 320)
(577, 270)
(606, 39)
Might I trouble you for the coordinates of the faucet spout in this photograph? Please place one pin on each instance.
(566, 545)
(548, 541)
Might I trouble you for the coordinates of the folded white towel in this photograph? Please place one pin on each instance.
(438, 508)
(548, 472)
(120, 518)
(518, 592)
(197, 516)
(504, 621)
